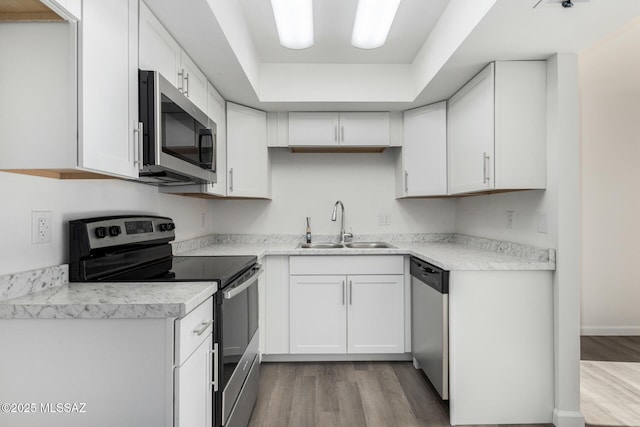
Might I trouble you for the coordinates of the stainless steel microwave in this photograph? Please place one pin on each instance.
(178, 139)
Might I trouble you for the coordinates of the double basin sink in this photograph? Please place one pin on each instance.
(351, 245)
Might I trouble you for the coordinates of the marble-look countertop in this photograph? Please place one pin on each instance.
(109, 300)
(446, 255)
(46, 293)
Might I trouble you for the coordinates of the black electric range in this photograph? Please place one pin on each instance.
(134, 248)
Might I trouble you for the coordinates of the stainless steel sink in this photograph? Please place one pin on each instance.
(368, 245)
(321, 245)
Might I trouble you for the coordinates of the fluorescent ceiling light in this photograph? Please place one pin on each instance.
(294, 20)
(373, 22)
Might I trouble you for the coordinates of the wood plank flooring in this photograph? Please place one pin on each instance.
(352, 394)
(347, 394)
(610, 380)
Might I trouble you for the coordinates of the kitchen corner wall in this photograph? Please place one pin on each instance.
(73, 199)
(305, 184)
(610, 108)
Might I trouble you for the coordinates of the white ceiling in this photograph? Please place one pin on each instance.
(426, 59)
(333, 23)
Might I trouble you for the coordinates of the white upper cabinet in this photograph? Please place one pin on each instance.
(497, 129)
(86, 103)
(159, 51)
(248, 172)
(423, 170)
(216, 110)
(309, 129)
(108, 82)
(313, 129)
(194, 83)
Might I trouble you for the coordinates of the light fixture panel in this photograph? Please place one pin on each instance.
(294, 21)
(373, 22)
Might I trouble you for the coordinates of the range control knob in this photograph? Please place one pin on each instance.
(115, 230)
(167, 226)
(101, 232)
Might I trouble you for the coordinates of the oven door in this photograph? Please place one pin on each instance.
(238, 342)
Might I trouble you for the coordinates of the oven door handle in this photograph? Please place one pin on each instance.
(239, 288)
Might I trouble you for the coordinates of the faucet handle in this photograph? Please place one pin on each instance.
(348, 236)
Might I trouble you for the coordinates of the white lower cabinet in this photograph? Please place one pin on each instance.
(193, 391)
(318, 314)
(346, 313)
(118, 372)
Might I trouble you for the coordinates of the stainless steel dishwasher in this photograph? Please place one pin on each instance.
(430, 323)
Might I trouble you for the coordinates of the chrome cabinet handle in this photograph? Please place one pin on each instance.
(181, 75)
(203, 327)
(138, 155)
(214, 352)
(186, 91)
(136, 144)
(342, 133)
(485, 168)
(350, 292)
(231, 180)
(406, 181)
(343, 292)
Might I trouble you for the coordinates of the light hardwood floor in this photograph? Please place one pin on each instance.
(610, 381)
(347, 394)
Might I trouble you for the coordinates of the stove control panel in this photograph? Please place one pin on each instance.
(104, 232)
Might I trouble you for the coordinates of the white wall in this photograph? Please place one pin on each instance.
(73, 199)
(610, 108)
(309, 184)
(486, 216)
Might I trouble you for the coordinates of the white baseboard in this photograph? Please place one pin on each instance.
(567, 418)
(610, 330)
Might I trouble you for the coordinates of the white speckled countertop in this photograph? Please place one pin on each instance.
(46, 293)
(446, 255)
(109, 300)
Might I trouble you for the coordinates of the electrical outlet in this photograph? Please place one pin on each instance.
(384, 219)
(40, 227)
(543, 226)
(510, 217)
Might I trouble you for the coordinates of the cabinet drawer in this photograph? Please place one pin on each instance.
(346, 264)
(192, 330)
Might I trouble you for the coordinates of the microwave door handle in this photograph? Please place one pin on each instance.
(201, 135)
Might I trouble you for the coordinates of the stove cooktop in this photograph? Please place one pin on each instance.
(223, 269)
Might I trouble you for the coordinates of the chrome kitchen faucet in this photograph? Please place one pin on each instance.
(334, 215)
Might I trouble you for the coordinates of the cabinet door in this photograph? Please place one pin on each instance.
(108, 87)
(471, 135)
(376, 314)
(193, 389)
(247, 155)
(158, 50)
(195, 82)
(318, 314)
(217, 112)
(364, 129)
(424, 151)
(313, 129)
